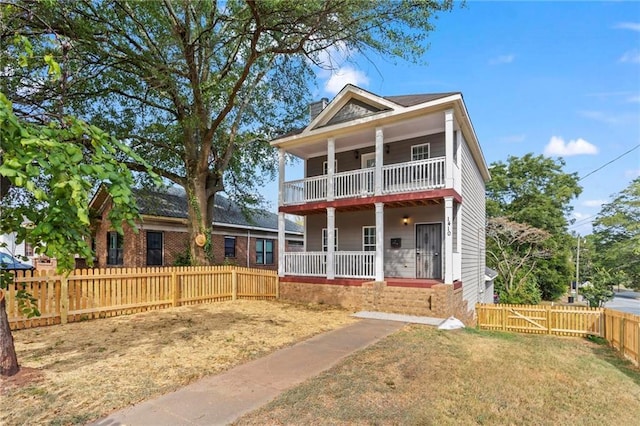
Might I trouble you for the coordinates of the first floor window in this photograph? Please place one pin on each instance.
(264, 252)
(369, 238)
(229, 246)
(325, 239)
(115, 244)
(154, 248)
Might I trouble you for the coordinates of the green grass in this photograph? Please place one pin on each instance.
(423, 376)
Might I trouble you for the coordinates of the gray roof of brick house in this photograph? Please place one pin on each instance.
(174, 204)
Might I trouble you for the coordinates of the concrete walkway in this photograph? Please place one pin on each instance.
(221, 399)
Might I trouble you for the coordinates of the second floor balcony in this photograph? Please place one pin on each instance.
(397, 178)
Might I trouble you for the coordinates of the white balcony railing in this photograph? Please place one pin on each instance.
(413, 175)
(354, 183)
(397, 178)
(310, 263)
(347, 264)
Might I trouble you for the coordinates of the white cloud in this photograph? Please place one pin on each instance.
(634, 99)
(593, 203)
(632, 174)
(502, 59)
(633, 26)
(557, 146)
(344, 76)
(632, 56)
(601, 116)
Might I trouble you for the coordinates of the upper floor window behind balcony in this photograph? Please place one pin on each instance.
(420, 152)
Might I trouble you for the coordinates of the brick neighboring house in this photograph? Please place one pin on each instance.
(163, 236)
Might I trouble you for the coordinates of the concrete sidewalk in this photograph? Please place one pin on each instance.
(221, 399)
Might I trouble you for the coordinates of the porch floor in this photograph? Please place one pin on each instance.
(357, 282)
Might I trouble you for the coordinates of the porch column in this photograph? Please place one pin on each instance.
(280, 177)
(448, 143)
(331, 226)
(378, 169)
(281, 243)
(331, 161)
(448, 240)
(379, 241)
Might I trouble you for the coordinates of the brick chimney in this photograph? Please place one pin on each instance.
(315, 108)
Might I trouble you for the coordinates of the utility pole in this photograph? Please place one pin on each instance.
(578, 267)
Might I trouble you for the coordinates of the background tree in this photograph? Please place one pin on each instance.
(534, 190)
(515, 249)
(199, 88)
(599, 289)
(617, 234)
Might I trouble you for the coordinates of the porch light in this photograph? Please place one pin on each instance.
(356, 154)
(405, 220)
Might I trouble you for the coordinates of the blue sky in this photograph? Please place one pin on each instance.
(553, 78)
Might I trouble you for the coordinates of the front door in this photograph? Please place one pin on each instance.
(429, 251)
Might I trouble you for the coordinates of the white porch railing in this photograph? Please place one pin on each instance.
(348, 264)
(310, 263)
(413, 175)
(354, 183)
(355, 264)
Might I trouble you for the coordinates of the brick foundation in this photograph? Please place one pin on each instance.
(439, 301)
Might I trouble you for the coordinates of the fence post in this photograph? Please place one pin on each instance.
(234, 284)
(504, 318)
(548, 308)
(277, 287)
(175, 289)
(64, 299)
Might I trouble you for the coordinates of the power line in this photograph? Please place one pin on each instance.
(606, 164)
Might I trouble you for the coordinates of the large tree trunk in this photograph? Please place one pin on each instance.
(8, 359)
(199, 226)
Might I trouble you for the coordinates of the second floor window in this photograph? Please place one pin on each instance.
(115, 245)
(420, 152)
(264, 252)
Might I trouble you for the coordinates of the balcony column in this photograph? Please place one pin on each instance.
(331, 162)
(379, 241)
(281, 243)
(448, 143)
(448, 240)
(379, 158)
(331, 232)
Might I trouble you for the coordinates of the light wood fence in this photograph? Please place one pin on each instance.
(620, 329)
(98, 293)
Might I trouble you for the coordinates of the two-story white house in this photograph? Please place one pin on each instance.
(394, 205)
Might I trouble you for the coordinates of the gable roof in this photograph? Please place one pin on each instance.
(173, 204)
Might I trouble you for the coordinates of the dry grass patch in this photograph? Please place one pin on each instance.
(424, 376)
(82, 371)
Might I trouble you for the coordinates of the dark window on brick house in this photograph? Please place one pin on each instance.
(154, 248)
(115, 243)
(229, 246)
(264, 252)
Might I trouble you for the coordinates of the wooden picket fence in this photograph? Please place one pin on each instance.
(620, 329)
(98, 293)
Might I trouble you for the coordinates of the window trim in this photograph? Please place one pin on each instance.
(325, 167)
(161, 248)
(119, 258)
(421, 145)
(325, 240)
(264, 252)
(364, 243)
(230, 238)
